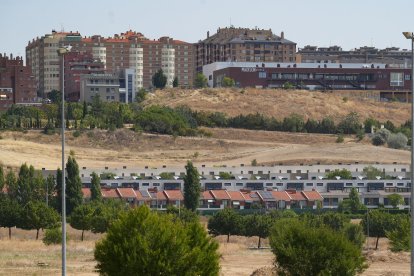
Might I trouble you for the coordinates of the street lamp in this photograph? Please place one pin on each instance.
(61, 52)
(410, 35)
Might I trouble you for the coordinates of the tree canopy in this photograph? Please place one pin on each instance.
(191, 187)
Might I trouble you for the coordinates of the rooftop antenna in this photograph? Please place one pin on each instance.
(62, 29)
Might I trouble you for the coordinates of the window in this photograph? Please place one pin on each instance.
(407, 77)
(396, 79)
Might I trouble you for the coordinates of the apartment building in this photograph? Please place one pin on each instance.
(244, 45)
(129, 50)
(17, 85)
(392, 56)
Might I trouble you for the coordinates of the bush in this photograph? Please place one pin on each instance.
(381, 137)
(397, 141)
(340, 138)
(76, 133)
(49, 129)
(142, 242)
(53, 236)
(305, 250)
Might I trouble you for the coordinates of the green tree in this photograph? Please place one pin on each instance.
(84, 109)
(372, 173)
(397, 141)
(191, 187)
(10, 213)
(159, 80)
(11, 184)
(167, 175)
(50, 188)
(226, 175)
(395, 200)
(96, 193)
(381, 137)
(36, 215)
(81, 217)
(25, 184)
(228, 82)
(311, 251)
(147, 243)
(74, 196)
(257, 225)
(175, 82)
(59, 190)
(400, 236)
(376, 223)
(200, 81)
(352, 204)
(225, 222)
(55, 96)
(2, 180)
(350, 124)
(105, 213)
(343, 174)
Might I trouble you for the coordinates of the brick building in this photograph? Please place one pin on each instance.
(244, 45)
(17, 84)
(129, 50)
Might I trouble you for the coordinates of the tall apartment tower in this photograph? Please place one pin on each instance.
(129, 50)
(17, 84)
(244, 45)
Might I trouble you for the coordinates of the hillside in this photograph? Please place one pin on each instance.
(281, 103)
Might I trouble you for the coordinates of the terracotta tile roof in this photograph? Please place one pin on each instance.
(296, 195)
(236, 195)
(220, 194)
(126, 192)
(110, 193)
(174, 194)
(312, 195)
(281, 195)
(206, 195)
(143, 195)
(86, 192)
(160, 195)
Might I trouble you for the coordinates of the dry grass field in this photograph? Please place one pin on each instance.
(232, 147)
(281, 103)
(23, 255)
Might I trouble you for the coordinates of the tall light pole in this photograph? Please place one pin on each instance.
(61, 52)
(410, 35)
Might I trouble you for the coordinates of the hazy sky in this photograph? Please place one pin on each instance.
(347, 23)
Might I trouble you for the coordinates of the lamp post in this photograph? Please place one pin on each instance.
(410, 35)
(61, 52)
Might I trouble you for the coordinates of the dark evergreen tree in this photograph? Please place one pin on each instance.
(25, 184)
(74, 195)
(2, 180)
(191, 187)
(159, 80)
(175, 82)
(58, 189)
(96, 187)
(10, 213)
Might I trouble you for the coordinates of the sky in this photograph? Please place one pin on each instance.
(347, 23)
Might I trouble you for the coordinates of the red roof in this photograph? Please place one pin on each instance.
(251, 196)
(236, 195)
(312, 195)
(295, 195)
(110, 193)
(86, 192)
(141, 197)
(206, 195)
(160, 196)
(126, 192)
(281, 195)
(220, 194)
(174, 194)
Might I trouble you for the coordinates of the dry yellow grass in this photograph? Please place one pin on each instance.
(281, 103)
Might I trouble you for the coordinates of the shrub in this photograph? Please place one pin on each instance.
(381, 137)
(76, 133)
(340, 138)
(142, 242)
(305, 250)
(49, 129)
(397, 141)
(400, 236)
(254, 162)
(53, 236)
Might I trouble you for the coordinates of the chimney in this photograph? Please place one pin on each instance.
(208, 34)
(282, 35)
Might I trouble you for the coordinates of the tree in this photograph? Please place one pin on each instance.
(397, 141)
(84, 110)
(36, 215)
(50, 187)
(225, 222)
(191, 187)
(74, 196)
(350, 124)
(372, 173)
(200, 81)
(147, 243)
(81, 217)
(25, 184)
(343, 174)
(10, 213)
(159, 80)
(55, 96)
(400, 236)
(352, 204)
(11, 184)
(2, 181)
(105, 213)
(96, 193)
(228, 82)
(395, 200)
(376, 223)
(175, 82)
(257, 225)
(304, 250)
